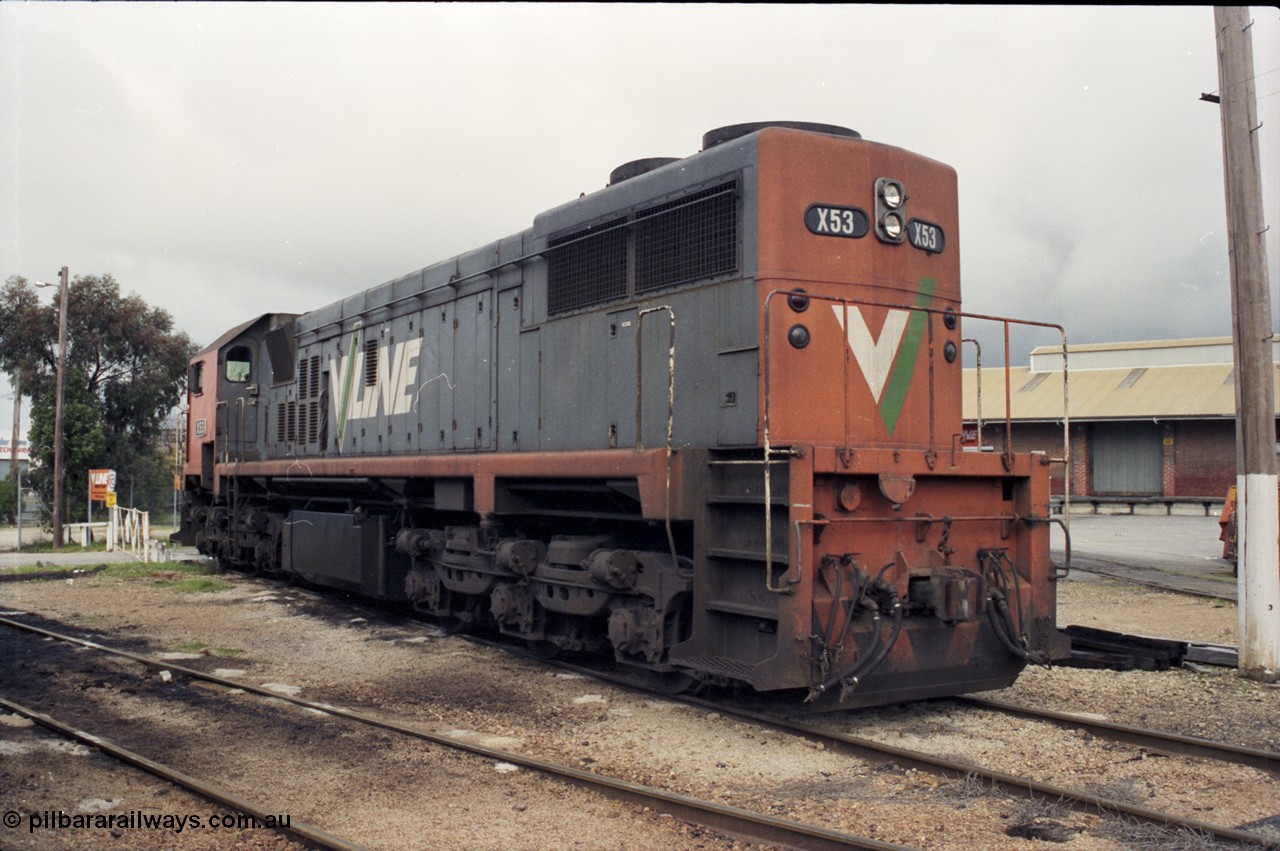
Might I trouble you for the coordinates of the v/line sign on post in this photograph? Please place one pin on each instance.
(101, 483)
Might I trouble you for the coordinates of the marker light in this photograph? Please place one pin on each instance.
(798, 336)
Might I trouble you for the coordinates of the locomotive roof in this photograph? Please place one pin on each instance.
(277, 318)
(231, 335)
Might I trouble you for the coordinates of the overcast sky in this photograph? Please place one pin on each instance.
(224, 160)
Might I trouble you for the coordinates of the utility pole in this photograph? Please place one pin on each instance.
(17, 415)
(1256, 482)
(13, 448)
(57, 417)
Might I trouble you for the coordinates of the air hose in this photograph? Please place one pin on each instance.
(878, 649)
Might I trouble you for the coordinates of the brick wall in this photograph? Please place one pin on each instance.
(1046, 438)
(1198, 457)
(1204, 458)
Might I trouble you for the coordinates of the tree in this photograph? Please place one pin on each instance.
(125, 372)
(19, 335)
(8, 498)
(85, 441)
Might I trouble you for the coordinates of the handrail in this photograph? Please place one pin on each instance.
(929, 311)
(671, 403)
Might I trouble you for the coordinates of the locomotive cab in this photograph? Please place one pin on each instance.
(224, 416)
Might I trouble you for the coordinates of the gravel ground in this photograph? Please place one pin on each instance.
(384, 792)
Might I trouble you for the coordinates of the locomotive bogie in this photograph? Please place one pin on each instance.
(706, 420)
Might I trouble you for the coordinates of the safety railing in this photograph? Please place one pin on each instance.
(950, 317)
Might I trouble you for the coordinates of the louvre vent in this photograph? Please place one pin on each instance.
(302, 377)
(370, 363)
(304, 427)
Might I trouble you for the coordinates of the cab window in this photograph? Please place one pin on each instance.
(239, 363)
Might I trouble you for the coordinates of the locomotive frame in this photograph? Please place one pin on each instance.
(706, 419)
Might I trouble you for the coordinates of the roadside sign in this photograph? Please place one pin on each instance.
(101, 482)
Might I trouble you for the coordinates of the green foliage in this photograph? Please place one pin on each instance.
(97, 546)
(196, 585)
(84, 437)
(126, 368)
(169, 570)
(8, 498)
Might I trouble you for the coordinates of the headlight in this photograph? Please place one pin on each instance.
(892, 225)
(891, 202)
(891, 192)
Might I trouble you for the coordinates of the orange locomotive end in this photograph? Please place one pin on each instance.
(911, 568)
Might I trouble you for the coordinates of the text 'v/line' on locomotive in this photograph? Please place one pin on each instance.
(706, 420)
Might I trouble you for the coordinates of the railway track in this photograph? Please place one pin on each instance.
(205, 789)
(766, 829)
(1016, 785)
(1166, 742)
(745, 824)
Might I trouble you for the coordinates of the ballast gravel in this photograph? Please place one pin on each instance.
(380, 791)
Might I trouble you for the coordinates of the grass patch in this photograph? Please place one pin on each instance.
(73, 547)
(164, 570)
(203, 647)
(184, 576)
(28, 569)
(196, 584)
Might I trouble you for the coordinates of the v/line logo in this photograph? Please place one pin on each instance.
(888, 361)
(395, 380)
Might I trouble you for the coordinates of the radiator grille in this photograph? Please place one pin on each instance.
(677, 242)
(686, 240)
(588, 267)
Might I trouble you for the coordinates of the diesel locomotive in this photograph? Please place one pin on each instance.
(706, 420)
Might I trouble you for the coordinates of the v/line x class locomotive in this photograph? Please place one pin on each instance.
(706, 419)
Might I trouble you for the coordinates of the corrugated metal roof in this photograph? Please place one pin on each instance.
(1137, 345)
(1197, 391)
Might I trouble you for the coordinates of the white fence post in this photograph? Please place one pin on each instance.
(130, 529)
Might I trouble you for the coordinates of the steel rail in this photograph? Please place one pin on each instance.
(876, 752)
(1155, 739)
(879, 753)
(742, 823)
(959, 769)
(173, 775)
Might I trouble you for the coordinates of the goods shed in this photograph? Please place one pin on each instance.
(1148, 419)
